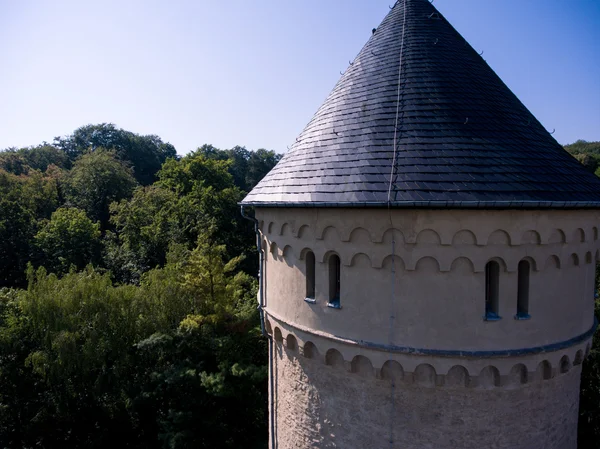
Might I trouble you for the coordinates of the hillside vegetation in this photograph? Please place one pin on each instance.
(128, 295)
(588, 153)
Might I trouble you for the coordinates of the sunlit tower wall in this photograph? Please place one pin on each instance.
(428, 258)
(439, 366)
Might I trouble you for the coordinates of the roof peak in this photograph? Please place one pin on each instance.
(419, 119)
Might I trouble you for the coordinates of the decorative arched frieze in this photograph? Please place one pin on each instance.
(392, 235)
(291, 343)
(360, 259)
(499, 237)
(277, 335)
(578, 236)
(574, 259)
(268, 327)
(428, 237)
(489, 377)
(428, 264)
(518, 375)
(287, 255)
(285, 229)
(552, 262)
(329, 233)
(531, 237)
(457, 376)
(557, 236)
(273, 250)
(270, 228)
(362, 366)
(544, 370)
(464, 237)
(588, 257)
(595, 233)
(578, 358)
(334, 358)
(305, 232)
(309, 350)
(360, 236)
(425, 375)
(393, 371)
(462, 264)
(386, 263)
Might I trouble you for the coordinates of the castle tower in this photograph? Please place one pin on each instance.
(429, 255)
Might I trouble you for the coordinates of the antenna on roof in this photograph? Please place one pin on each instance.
(481, 53)
(553, 131)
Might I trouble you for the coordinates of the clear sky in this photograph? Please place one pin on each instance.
(253, 72)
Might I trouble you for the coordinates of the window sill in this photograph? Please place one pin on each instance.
(522, 316)
(310, 300)
(491, 316)
(334, 305)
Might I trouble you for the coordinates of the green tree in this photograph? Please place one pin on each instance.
(17, 227)
(96, 180)
(144, 154)
(68, 239)
(145, 227)
(208, 199)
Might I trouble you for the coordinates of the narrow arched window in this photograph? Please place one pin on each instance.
(523, 291)
(310, 277)
(492, 291)
(334, 281)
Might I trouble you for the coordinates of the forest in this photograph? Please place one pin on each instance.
(128, 296)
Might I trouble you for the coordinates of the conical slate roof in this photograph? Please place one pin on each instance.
(420, 106)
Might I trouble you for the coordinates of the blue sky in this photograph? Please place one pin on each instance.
(253, 73)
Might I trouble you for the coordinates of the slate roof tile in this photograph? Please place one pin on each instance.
(463, 139)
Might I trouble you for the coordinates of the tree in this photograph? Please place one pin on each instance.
(144, 154)
(68, 239)
(96, 180)
(145, 227)
(208, 199)
(246, 167)
(588, 161)
(17, 227)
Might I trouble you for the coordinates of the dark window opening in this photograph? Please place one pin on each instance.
(523, 291)
(310, 277)
(334, 282)
(492, 290)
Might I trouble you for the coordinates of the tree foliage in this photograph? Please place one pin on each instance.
(144, 154)
(96, 180)
(138, 328)
(68, 239)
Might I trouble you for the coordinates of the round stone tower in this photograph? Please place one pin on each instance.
(428, 258)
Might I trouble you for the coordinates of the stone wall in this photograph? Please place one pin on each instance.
(326, 406)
